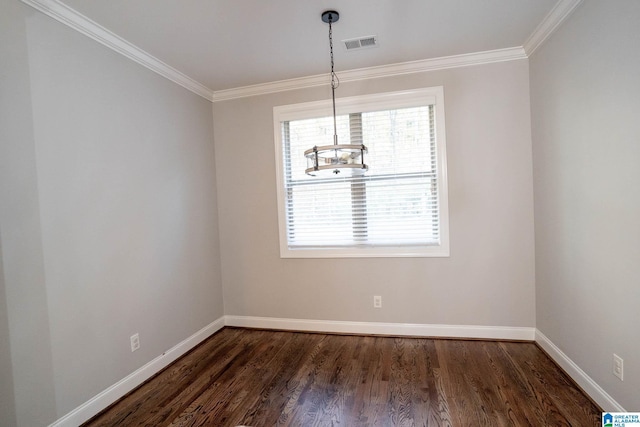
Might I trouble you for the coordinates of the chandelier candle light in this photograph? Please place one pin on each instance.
(336, 158)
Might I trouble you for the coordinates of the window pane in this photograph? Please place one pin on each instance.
(399, 141)
(402, 211)
(304, 134)
(320, 214)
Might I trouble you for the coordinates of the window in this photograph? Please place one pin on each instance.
(398, 208)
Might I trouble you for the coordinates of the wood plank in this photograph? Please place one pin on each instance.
(276, 378)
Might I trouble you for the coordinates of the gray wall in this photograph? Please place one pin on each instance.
(7, 396)
(108, 214)
(585, 86)
(489, 277)
(20, 230)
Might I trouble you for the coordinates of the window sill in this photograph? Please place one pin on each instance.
(369, 252)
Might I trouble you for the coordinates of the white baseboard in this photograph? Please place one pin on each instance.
(374, 328)
(587, 384)
(101, 401)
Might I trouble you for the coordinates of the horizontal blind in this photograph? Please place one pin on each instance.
(395, 203)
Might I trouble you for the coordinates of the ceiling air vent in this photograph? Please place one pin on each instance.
(361, 42)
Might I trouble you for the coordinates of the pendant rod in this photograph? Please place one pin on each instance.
(334, 81)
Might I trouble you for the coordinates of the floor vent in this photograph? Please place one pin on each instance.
(361, 42)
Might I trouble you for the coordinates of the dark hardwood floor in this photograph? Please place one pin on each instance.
(268, 378)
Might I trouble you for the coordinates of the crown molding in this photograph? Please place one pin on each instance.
(89, 28)
(550, 24)
(75, 20)
(413, 67)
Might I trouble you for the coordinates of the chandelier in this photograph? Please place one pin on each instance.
(347, 159)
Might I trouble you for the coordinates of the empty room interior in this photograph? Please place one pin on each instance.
(163, 186)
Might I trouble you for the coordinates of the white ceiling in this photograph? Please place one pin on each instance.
(225, 44)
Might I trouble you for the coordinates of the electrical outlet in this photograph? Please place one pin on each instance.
(135, 342)
(618, 367)
(377, 301)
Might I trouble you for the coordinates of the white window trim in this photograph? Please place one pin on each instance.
(365, 103)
